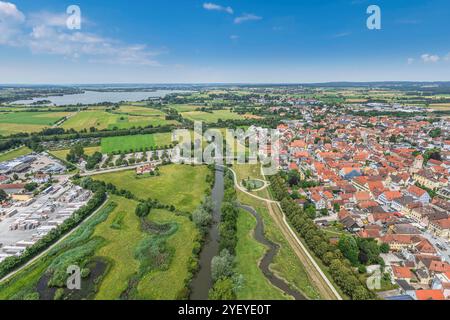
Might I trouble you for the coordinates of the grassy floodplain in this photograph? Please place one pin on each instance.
(135, 143)
(180, 185)
(14, 154)
(112, 238)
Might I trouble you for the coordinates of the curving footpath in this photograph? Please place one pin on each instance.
(326, 288)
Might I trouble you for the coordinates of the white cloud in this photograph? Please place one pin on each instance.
(429, 58)
(447, 57)
(342, 35)
(11, 21)
(46, 33)
(247, 17)
(410, 60)
(215, 7)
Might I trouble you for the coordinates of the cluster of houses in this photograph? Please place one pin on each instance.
(377, 178)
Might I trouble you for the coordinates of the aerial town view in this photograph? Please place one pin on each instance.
(241, 150)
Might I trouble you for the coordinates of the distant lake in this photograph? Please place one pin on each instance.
(93, 97)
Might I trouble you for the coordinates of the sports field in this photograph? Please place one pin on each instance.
(135, 143)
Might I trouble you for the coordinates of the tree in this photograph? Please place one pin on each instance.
(75, 153)
(201, 219)
(349, 248)
(222, 265)
(293, 177)
(3, 195)
(142, 210)
(223, 289)
(384, 248)
(31, 186)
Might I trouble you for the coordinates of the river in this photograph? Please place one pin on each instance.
(202, 282)
(94, 97)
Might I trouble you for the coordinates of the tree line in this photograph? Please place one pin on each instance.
(339, 267)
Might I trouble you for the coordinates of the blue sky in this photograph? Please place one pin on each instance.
(187, 41)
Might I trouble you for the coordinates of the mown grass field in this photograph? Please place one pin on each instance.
(211, 117)
(14, 154)
(135, 143)
(18, 122)
(248, 254)
(180, 185)
(165, 285)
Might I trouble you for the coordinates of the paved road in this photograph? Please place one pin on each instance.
(53, 245)
(326, 288)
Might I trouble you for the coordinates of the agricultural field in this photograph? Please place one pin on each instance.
(19, 122)
(101, 119)
(14, 154)
(180, 185)
(212, 117)
(135, 143)
(440, 106)
(185, 107)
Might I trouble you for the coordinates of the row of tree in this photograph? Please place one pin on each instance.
(226, 281)
(339, 267)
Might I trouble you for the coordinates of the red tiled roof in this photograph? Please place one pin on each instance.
(429, 295)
